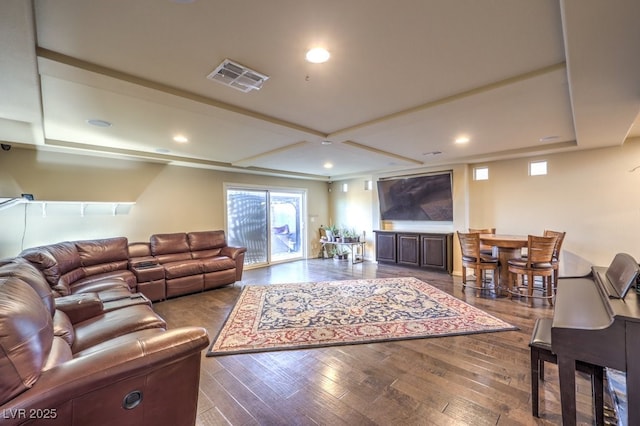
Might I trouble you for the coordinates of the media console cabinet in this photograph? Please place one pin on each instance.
(419, 249)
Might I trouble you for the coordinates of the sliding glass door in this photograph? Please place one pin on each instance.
(268, 222)
(286, 224)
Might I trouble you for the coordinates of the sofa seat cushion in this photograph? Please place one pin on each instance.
(63, 286)
(60, 353)
(117, 341)
(172, 257)
(221, 263)
(124, 275)
(106, 268)
(182, 268)
(114, 324)
(200, 254)
(95, 284)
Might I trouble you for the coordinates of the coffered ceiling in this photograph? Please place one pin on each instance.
(404, 81)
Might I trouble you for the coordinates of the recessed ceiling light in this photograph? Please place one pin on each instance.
(328, 165)
(180, 139)
(318, 55)
(462, 139)
(99, 123)
(326, 142)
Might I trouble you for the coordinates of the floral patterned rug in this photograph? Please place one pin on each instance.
(303, 315)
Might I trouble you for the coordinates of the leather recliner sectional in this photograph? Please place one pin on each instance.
(180, 263)
(78, 345)
(168, 265)
(66, 360)
(75, 267)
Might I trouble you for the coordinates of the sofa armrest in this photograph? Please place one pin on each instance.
(80, 307)
(237, 254)
(164, 368)
(232, 252)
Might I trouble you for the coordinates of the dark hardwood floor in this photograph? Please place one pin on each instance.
(480, 379)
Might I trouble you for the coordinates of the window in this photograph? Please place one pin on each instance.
(481, 173)
(538, 168)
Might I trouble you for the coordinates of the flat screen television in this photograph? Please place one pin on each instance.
(421, 197)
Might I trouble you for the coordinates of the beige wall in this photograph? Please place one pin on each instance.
(353, 209)
(358, 208)
(592, 195)
(168, 198)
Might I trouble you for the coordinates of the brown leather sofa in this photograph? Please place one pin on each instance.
(64, 360)
(74, 267)
(181, 263)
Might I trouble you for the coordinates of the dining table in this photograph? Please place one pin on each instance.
(507, 247)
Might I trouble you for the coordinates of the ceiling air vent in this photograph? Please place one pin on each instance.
(237, 76)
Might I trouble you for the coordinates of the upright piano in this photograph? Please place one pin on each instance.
(592, 326)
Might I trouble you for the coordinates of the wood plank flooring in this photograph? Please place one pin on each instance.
(481, 379)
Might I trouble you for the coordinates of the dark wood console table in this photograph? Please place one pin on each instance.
(419, 249)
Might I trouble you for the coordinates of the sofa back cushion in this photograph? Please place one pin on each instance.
(44, 261)
(169, 243)
(59, 263)
(66, 256)
(170, 247)
(206, 243)
(103, 255)
(26, 336)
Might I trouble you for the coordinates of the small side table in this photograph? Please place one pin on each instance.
(356, 249)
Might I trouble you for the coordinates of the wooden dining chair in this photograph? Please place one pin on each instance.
(474, 259)
(537, 263)
(484, 248)
(555, 261)
(556, 254)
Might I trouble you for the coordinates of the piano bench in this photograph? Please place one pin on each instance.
(540, 345)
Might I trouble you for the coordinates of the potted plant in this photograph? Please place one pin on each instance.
(331, 231)
(350, 235)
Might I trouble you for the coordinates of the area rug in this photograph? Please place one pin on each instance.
(303, 315)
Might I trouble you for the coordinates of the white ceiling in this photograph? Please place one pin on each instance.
(405, 79)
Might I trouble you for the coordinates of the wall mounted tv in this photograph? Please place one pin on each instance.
(420, 197)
